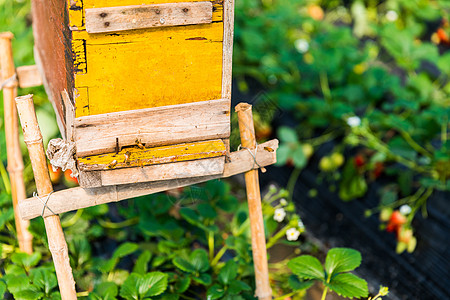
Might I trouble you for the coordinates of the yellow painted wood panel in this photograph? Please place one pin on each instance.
(152, 67)
(135, 156)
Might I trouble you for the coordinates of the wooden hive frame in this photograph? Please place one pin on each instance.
(118, 119)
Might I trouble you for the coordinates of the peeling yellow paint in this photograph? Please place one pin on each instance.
(76, 17)
(135, 156)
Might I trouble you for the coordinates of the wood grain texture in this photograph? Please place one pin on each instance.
(138, 156)
(177, 170)
(28, 76)
(81, 198)
(248, 140)
(56, 241)
(156, 126)
(52, 38)
(120, 18)
(228, 35)
(14, 154)
(77, 7)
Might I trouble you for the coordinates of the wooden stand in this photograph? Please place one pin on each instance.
(248, 141)
(15, 163)
(57, 243)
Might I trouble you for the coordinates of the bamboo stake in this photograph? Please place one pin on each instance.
(248, 141)
(15, 163)
(56, 241)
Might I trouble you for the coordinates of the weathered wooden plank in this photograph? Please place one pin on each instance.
(228, 34)
(52, 38)
(176, 170)
(120, 18)
(139, 69)
(156, 126)
(81, 198)
(138, 156)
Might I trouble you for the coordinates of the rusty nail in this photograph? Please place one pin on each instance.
(103, 15)
(107, 24)
(157, 11)
(185, 10)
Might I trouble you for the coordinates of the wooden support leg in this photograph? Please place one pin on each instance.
(15, 163)
(56, 241)
(248, 140)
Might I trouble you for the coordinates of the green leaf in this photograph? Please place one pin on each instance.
(237, 286)
(138, 286)
(206, 211)
(307, 267)
(283, 154)
(2, 289)
(228, 272)
(203, 278)
(141, 265)
(348, 285)
(16, 283)
(155, 283)
(298, 157)
(129, 289)
(107, 290)
(199, 260)
(183, 265)
(182, 284)
(28, 295)
(125, 249)
(296, 284)
(341, 260)
(44, 278)
(26, 260)
(215, 292)
(287, 135)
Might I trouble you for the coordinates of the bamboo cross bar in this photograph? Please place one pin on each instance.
(56, 241)
(240, 162)
(15, 163)
(248, 140)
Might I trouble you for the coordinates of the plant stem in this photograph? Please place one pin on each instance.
(292, 181)
(285, 296)
(72, 220)
(211, 245)
(126, 223)
(277, 236)
(324, 85)
(5, 178)
(413, 144)
(325, 291)
(219, 256)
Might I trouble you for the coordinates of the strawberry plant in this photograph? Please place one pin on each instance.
(372, 78)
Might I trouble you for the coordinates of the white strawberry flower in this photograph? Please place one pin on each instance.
(405, 209)
(279, 215)
(292, 234)
(392, 16)
(354, 121)
(302, 45)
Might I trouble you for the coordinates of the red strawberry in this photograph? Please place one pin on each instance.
(359, 160)
(70, 181)
(55, 176)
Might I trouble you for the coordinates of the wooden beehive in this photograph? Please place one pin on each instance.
(142, 87)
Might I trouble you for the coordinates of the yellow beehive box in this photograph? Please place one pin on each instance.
(142, 88)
